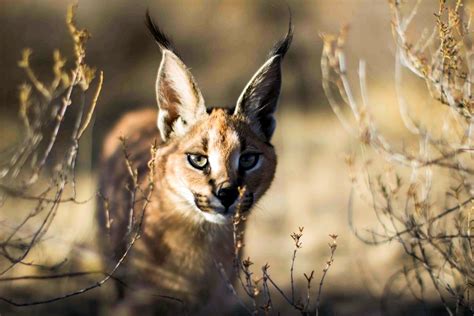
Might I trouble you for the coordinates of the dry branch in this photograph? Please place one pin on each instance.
(436, 236)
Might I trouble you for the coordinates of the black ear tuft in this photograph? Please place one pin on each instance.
(282, 46)
(161, 39)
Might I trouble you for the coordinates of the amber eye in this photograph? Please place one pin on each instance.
(197, 161)
(248, 161)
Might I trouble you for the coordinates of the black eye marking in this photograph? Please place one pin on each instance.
(198, 161)
(248, 161)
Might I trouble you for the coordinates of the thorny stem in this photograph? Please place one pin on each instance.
(332, 247)
(296, 238)
(308, 289)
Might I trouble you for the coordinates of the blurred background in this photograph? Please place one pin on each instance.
(224, 43)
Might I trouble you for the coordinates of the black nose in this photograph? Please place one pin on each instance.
(227, 194)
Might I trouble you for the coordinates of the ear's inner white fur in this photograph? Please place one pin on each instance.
(179, 99)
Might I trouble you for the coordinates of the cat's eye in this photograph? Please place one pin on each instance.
(197, 161)
(248, 161)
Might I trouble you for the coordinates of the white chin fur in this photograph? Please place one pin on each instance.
(216, 218)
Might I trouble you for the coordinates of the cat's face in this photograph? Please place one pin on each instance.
(220, 164)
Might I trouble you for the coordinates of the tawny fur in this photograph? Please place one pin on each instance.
(179, 249)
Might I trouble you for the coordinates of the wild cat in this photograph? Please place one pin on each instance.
(204, 155)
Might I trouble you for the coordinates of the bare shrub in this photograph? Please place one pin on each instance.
(423, 196)
(41, 168)
(257, 287)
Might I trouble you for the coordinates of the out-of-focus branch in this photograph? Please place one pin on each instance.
(446, 70)
(436, 238)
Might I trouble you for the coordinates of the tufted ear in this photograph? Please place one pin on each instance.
(180, 101)
(259, 99)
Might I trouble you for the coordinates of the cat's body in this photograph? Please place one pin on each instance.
(203, 158)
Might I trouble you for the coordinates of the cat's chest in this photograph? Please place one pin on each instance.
(176, 260)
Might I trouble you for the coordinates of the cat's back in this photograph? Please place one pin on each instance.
(136, 127)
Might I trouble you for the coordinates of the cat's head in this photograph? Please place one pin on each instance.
(214, 153)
